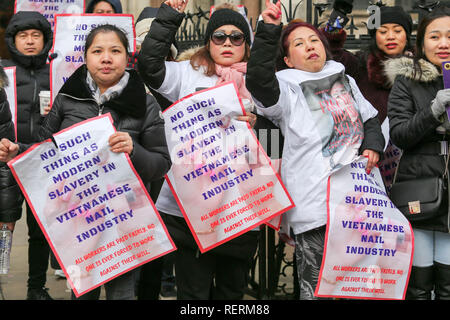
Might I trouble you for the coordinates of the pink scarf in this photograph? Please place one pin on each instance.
(235, 73)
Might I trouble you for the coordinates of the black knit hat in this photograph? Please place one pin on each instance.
(226, 16)
(396, 15)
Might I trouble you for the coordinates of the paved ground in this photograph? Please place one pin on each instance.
(14, 284)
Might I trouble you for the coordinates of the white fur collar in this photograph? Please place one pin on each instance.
(405, 67)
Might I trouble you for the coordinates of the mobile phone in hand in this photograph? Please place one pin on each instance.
(446, 78)
(446, 74)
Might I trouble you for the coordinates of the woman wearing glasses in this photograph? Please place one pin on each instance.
(221, 272)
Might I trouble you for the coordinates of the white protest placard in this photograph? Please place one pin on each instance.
(369, 243)
(11, 94)
(91, 205)
(69, 39)
(221, 177)
(49, 9)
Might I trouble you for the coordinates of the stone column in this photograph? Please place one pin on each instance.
(135, 7)
(155, 3)
(204, 4)
(236, 2)
(302, 10)
(254, 9)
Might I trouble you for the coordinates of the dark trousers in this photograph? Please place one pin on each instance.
(219, 274)
(209, 276)
(168, 277)
(149, 283)
(38, 253)
(121, 288)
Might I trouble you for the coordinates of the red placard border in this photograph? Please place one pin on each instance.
(260, 149)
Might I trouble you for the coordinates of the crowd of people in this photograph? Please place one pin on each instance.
(277, 73)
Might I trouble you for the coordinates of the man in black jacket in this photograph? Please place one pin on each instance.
(29, 38)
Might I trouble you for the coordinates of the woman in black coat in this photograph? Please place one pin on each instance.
(103, 85)
(419, 126)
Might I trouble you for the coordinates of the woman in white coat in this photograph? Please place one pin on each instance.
(324, 118)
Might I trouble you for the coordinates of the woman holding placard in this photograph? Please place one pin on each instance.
(103, 85)
(419, 126)
(324, 118)
(221, 272)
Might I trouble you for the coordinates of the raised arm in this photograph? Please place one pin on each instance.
(261, 80)
(156, 45)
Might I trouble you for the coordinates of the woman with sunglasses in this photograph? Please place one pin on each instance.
(324, 118)
(221, 272)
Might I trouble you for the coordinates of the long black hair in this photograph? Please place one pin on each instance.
(438, 12)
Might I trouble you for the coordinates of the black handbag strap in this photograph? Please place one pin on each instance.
(431, 148)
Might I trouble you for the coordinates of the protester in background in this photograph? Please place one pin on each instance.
(295, 99)
(11, 197)
(220, 273)
(419, 126)
(103, 85)
(390, 39)
(29, 38)
(104, 7)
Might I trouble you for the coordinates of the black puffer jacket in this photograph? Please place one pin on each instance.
(10, 196)
(133, 111)
(413, 126)
(32, 73)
